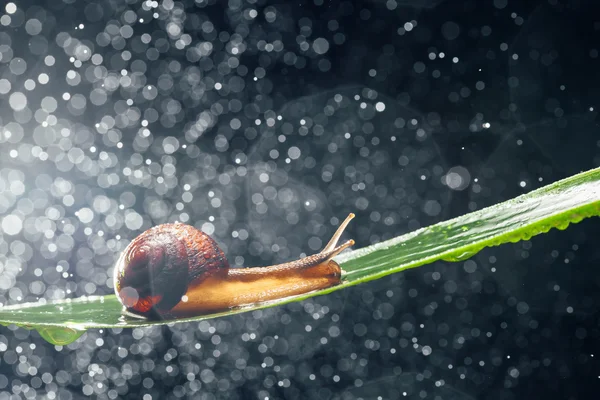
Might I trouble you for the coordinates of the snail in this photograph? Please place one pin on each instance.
(176, 270)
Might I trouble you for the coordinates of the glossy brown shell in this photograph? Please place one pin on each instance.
(154, 270)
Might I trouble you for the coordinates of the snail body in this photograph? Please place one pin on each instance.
(176, 270)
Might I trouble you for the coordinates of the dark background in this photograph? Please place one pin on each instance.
(265, 123)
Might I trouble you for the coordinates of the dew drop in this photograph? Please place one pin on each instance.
(461, 256)
(59, 336)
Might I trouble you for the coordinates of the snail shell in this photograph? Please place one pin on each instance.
(156, 267)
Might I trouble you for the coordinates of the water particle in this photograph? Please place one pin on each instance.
(12, 224)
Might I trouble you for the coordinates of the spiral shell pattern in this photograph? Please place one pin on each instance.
(154, 270)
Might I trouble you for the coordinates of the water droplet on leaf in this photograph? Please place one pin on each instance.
(59, 336)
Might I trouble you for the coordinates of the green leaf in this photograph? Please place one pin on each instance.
(553, 206)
